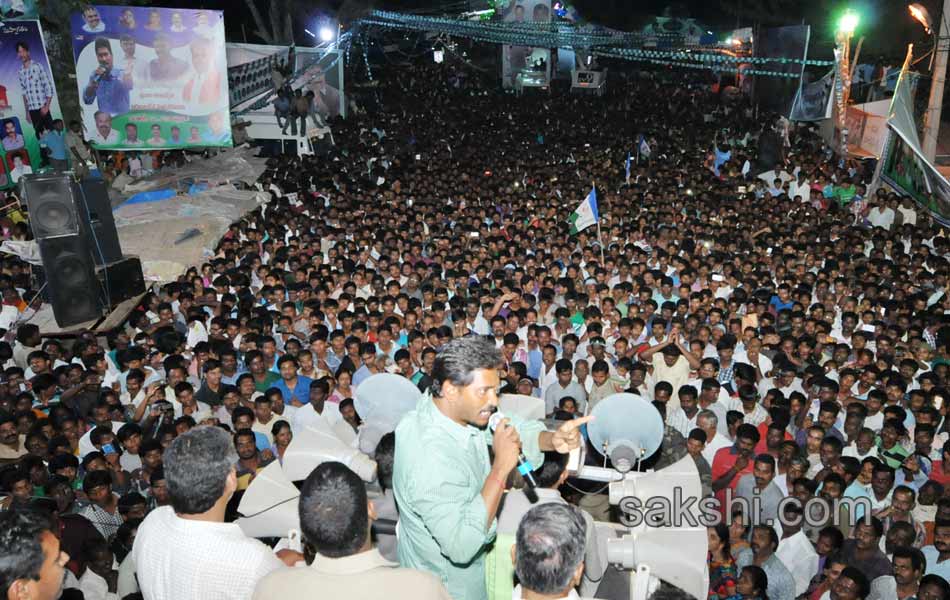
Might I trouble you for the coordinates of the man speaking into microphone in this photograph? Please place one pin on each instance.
(446, 487)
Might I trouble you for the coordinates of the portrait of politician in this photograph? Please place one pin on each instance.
(165, 67)
(206, 84)
(104, 133)
(92, 22)
(19, 163)
(154, 20)
(218, 131)
(127, 19)
(156, 139)
(108, 85)
(12, 139)
(326, 98)
(132, 135)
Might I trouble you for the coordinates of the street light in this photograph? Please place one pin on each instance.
(848, 22)
(846, 26)
(921, 15)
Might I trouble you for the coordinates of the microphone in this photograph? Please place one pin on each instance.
(524, 466)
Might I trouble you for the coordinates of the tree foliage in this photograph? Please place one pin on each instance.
(274, 26)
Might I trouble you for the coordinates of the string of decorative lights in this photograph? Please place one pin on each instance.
(628, 45)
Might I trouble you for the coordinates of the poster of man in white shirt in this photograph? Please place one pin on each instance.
(104, 133)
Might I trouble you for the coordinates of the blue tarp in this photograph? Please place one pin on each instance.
(151, 196)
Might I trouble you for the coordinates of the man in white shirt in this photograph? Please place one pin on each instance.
(708, 421)
(795, 550)
(325, 415)
(186, 550)
(881, 215)
(908, 214)
(104, 133)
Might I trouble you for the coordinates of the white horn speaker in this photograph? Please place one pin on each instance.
(675, 555)
(312, 447)
(269, 504)
(381, 401)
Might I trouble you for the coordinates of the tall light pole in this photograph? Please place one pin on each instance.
(846, 26)
(938, 75)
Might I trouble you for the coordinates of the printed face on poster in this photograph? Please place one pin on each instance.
(29, 109)
(518, 59)
(151, 78)
(322, 74)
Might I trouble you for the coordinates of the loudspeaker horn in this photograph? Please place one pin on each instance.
(626, 428)
(381, 401)
(269, 504)
(675, 555)
(681, 475)
(312, 447)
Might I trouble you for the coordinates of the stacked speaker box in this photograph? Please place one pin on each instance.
(85, 272)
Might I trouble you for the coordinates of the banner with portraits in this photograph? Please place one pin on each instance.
(151, 78)
(524, 60)
(321, 72)
(28, 103)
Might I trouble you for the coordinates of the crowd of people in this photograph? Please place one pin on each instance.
(789, 326)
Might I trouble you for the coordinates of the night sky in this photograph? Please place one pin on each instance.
(885, 23)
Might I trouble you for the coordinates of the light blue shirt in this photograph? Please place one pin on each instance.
(439, 471)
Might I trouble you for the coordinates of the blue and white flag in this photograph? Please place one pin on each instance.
(586, 214)
(643, 147)
(627, 167)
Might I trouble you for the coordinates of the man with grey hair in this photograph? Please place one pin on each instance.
(186, 550)
(549, 552)
(708, 421)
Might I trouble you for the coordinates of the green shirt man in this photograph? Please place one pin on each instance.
(447, 489)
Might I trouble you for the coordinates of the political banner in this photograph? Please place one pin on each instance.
(867, 128)
(524, 60)
(907, 170)
(151, 78)
(28, 103)
(321, 72)
(813, 102)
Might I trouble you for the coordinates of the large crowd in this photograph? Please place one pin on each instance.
(788, 324)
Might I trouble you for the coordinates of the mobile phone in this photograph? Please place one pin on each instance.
(938, 402)
(108, 449)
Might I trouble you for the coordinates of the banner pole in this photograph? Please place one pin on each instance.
(600, 237)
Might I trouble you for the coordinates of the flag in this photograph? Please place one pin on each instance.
(627, 167)
(586, 214)
(644, 147)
